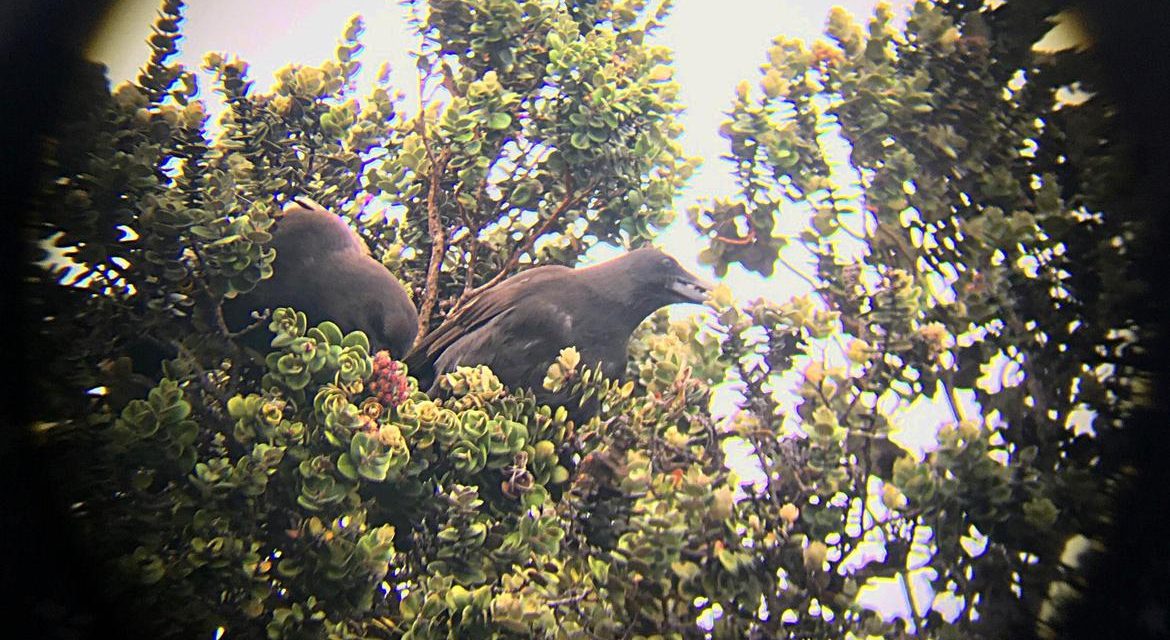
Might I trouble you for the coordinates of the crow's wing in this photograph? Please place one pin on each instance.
(518, 344)
(532, 294)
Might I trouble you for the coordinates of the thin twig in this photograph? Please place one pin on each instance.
(908, 589)
(434, 220)
(797, 272)
(748, 239)
(259, 319)
(514, 259)
(949, 391)
(567, 600)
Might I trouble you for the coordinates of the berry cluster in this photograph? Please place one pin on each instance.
(389, 382)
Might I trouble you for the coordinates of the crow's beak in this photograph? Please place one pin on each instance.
(690, 288)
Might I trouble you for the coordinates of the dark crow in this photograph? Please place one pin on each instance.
(324, 268)
(519, 326)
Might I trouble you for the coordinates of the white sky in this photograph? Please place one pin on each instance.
(716, 44)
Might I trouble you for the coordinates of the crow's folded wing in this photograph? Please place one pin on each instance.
(518, 344)
(524, 300)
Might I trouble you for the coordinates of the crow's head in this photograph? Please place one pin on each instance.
(651, 279)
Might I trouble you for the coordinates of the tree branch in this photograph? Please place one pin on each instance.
(438, 245)
(220, 324)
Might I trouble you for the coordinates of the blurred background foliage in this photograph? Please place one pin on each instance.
(320, 494)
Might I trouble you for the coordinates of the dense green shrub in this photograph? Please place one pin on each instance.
(318, 493)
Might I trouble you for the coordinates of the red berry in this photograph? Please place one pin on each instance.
(389, 384)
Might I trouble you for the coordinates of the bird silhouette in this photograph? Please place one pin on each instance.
(324, 268)
(518, 327)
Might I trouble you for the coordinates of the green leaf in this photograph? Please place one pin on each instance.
(185, 432)
(331, 332)
(356, 338)
(347, 467)
(375, 469)
(685, 570)
(289, 567)
(175, 412)
(599, 568)
(499, 121)
(728, 560)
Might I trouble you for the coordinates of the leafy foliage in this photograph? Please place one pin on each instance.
(318, 492)
(983, 209)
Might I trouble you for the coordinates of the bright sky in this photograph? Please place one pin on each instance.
(716, 44)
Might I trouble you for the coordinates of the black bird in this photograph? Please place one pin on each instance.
(519, 326)
(324, 268)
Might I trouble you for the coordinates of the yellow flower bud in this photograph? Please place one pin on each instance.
(814, 372)
(722, 500)
(742, 89)
(893, 498)
(859, 352)
(814, 555)
(789, 513)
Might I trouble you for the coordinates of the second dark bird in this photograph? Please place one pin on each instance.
(325, 269)
(519, 326)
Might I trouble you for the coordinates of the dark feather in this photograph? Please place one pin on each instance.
(324, 269)
(519, 326)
